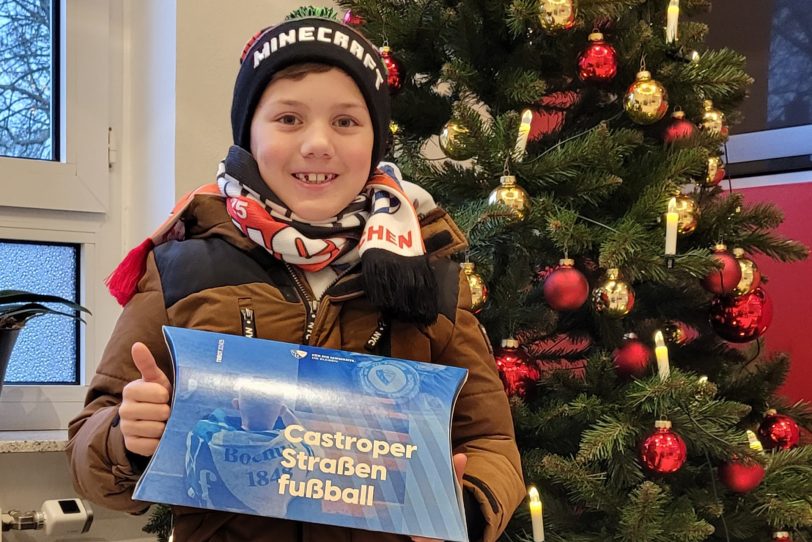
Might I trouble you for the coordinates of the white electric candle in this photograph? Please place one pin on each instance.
(672, 21)
(524, 132)
(671, 222)
(536, 515)
(755, 444)
(661, 351)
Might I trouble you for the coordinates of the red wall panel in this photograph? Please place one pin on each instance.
(790, 284)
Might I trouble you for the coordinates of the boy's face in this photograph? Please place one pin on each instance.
(312, 139)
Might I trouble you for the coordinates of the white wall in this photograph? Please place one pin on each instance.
(173, 71)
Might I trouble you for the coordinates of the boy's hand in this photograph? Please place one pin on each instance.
(145, 404)
(460, 461)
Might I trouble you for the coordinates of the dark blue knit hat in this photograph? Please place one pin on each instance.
(310, 39)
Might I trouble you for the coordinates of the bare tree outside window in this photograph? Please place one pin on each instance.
(790, 77)
(26, 61)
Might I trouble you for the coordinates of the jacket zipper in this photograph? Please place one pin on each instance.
(311, 306)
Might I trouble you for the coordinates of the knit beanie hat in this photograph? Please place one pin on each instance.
(311, 39)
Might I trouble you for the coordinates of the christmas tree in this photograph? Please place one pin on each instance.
(583, 156)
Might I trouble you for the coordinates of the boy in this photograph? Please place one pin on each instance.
(300, 240)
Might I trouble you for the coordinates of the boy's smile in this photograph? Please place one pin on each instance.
(312, 139)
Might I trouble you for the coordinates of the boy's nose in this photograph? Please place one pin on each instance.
(317, 142)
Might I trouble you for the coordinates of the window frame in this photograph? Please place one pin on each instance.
(52, 406)
(74, 200)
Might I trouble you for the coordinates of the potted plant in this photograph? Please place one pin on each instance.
(17, 307)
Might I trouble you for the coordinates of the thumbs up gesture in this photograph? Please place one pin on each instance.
(145, 404)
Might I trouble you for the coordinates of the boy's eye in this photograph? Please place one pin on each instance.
(346, 122)
(289, 120)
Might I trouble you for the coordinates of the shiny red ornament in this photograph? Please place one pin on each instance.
(741, 476)
(663, 451)
(723, 281)
(679, 129)
(742, 318)
(781, 536)
(351, 19)
(632, 358)
(566, 288)
(394, 70)
(598, 62)
(778, 431)
(518, 374)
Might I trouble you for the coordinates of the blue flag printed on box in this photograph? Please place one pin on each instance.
(308, 434)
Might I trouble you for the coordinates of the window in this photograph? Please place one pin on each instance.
(77, 180)
(29, 56)
(47, 350)
(63, 209)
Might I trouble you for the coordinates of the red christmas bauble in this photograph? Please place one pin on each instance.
(679, 129)
(781, 536)
(393, 69)
(663, 451)
(723, 281)
(741, 476)
(351, 19)
(518, 375)
(551, 114)
(598, 62)
(566, 288)
(632, 358)
(742, 318)
(778, 431)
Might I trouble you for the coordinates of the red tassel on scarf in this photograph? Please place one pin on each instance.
(123, 281)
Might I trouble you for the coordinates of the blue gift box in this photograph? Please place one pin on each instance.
(309, 434)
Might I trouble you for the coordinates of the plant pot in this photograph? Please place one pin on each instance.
(7, 339)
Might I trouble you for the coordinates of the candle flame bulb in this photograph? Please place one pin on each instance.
(672, 21)
(536, 514)
(661, 352)
(755, 444)
(524, 132)
(671, 227)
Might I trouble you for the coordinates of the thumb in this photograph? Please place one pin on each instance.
(146, 365)
(460, 460)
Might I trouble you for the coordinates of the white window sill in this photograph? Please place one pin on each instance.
(33, 441)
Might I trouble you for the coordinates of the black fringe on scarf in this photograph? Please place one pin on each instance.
(403, 288)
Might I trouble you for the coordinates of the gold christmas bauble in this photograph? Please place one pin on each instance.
(673, 332)
(688, 214)
(557, 14)
(713, 120)
(449, 141)
(615, 297)
(646, 101)
(716, 171)
(510, 194)
(479, 290)
(751, 276)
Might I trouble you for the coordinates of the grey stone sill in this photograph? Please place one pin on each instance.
(33, 441)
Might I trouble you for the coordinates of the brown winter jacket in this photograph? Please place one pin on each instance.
(203, 281)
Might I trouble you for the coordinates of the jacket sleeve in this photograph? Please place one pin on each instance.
(482, 427)
(98, 461)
